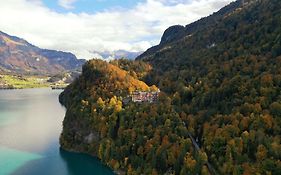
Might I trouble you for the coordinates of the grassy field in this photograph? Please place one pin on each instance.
(21, 82)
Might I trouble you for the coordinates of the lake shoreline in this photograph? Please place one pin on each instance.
(19, 88)
(93, 156)
(37, 115)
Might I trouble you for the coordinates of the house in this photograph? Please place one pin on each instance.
(144, 96)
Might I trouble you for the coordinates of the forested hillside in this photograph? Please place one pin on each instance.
(221, 83)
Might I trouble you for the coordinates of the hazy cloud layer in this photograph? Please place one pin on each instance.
(134, 29)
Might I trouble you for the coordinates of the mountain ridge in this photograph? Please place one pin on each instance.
(19, 56)
(178, 32)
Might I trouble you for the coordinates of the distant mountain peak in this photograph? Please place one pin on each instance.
(11, 40)
(118, 54)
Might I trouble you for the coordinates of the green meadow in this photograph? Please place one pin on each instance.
(22, 82)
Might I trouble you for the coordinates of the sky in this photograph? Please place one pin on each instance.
(84, 27)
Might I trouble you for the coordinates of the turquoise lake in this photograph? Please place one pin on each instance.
(30, 126)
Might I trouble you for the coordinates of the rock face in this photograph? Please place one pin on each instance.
(172, 33)
(19, 56)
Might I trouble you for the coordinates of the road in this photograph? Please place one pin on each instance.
(212, 171)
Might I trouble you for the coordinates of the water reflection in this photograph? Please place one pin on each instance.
(36, 119)
(12, 159)
(30, 125)
(77, 162)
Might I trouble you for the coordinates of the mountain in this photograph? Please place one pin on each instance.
(118, 54)
(218, 111)
(19, 56)
(178, 33)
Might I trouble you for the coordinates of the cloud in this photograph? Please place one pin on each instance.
(67, 4)
(134, 29)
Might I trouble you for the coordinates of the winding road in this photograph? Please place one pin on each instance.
(212, 171)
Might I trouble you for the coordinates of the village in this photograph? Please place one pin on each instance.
(144, 96)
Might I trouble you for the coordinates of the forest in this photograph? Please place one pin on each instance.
(222, 86)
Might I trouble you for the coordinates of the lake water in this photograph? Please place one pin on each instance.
(30, 126)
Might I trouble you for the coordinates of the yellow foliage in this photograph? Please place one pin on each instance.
(113, 101)
(154, 88)
(205, 170)
(100, 102)
(84, 102)
(189, 162)
(203, 156)
(268, 120)
(117, 78)
(118, 106)
(261, 153)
